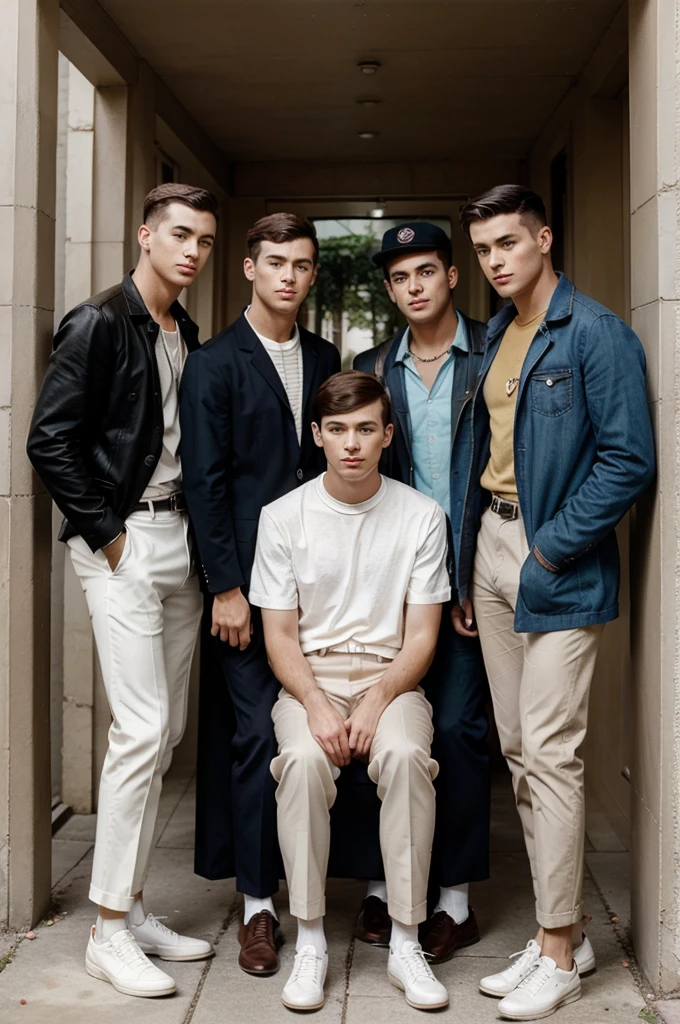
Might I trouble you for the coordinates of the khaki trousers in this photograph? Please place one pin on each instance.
(401, 766)
(540, 684)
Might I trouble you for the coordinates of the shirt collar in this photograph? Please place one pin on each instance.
(461, 341)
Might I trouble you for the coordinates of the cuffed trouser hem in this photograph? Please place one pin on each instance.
(563, 920)
(407, 915)
(307, 911)
(110, 901)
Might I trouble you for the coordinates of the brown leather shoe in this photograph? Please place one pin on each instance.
(373, 923)
(260, 941)
(440, 936)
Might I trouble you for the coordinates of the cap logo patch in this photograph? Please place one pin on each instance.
(406, 235)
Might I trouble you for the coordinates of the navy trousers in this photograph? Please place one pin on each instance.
(456, 687)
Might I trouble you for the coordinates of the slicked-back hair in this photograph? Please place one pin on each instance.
(162, 196)
(280, 227)
(348, 391)
(503, 199)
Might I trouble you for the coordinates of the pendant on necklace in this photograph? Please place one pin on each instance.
(510, 385)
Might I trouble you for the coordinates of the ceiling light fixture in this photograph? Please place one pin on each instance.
(378, 210)
(367, 135)
(369, 67)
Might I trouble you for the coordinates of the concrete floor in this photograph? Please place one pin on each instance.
(49, 975)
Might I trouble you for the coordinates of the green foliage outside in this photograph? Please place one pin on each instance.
(349, 282)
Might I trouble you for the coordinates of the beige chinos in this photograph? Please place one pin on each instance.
(399, 763)
(540, 684)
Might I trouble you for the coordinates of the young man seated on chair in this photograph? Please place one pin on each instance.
(350, 573)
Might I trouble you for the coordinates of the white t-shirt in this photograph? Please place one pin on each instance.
(350, 569)
(287, 359)
(170, 358)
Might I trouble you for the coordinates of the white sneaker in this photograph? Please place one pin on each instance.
(505, 982)
(304, 988)
(542, 992)
(155, 939)
(408, 970)
(121, 962)
(584, 957)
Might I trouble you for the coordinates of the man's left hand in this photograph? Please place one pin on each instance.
(363, 722)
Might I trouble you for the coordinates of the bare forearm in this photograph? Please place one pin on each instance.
(290, 667)
(408, 668)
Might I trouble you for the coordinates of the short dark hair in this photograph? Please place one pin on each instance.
(348, 391)
(503, 199)
(280, 227)
(445, 257)
(162, 196)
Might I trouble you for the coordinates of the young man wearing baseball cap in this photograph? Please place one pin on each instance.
(431, 368)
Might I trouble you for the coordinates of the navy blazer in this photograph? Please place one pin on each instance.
(239, 445)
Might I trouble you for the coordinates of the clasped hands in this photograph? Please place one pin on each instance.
(345, 738)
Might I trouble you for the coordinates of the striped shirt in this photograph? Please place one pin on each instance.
(287, 359)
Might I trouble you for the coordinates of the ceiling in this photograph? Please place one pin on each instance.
(279, 80)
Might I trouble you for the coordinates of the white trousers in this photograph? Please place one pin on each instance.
(399, 763)
(145, 618)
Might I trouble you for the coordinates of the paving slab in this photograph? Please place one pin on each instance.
(669, 1010)
(179, 829)
(611, 872)
(229, 994)
(49, 973)
(66, 853)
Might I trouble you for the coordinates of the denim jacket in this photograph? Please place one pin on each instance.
(584, 453)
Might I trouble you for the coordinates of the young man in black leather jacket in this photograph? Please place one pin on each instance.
(105, 442)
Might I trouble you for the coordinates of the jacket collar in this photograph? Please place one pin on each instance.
(140, 314)
(560, 308)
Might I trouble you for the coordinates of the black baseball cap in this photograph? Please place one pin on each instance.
(416, 237)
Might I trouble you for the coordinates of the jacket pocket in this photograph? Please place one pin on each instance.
(548, 593)
(552, 392)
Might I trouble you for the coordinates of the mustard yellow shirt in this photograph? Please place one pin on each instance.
(500, 395)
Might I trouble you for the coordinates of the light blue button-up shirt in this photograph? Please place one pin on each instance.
(430, 420)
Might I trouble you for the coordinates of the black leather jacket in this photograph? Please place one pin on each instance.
(97, 430)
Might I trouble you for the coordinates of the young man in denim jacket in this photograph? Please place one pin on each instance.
(561, 448)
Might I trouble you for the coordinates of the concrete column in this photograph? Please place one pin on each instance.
(655, 582)
(28, 123)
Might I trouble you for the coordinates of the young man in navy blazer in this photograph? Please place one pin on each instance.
(246, 413)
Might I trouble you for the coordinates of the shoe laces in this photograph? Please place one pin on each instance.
(261, 924)
(157, 923)
(128, 950)
(535, 981)
(413, 958)
(524, 955)
(306, 963)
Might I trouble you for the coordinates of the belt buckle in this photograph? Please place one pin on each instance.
(172, 503)
(505, 509)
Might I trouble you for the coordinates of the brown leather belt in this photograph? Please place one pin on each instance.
(503, 508)
(173, 503)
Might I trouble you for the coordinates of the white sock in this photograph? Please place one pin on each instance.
(254, 904)
(378, 889)
(136, 914)
(402, 933)
(108, 926)
(311, 933)
(454, 900)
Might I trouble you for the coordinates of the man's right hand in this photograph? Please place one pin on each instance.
(231, 618)
(114, 551)
(463, 619)
(327, 726)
